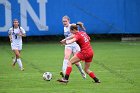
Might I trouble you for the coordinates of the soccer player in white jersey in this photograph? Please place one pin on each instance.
(70, 48)
(15, 35)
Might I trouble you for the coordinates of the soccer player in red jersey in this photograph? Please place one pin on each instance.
(86, 53)
(71, 49)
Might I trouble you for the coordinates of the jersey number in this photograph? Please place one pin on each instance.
(14, 35)
(85, 37)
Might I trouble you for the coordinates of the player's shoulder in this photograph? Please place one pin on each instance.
(79, 33)
(11, 28)
(70, 25)
(21, 28)
(82, 32)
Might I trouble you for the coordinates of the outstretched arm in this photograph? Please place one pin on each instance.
(71, 41)
(68, 41)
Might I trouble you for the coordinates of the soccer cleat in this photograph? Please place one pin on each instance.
(14, 63)
(61, 73)
(22, 69)
(83, 75)
(96, 80)
(63, 80)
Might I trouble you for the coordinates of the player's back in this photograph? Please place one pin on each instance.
(83, 40)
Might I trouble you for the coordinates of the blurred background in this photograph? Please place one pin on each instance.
(42, 19)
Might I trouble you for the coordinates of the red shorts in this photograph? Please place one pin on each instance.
(85, 56)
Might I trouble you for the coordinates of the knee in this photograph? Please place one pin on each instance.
(77, 64)
(17, 55)
(69, 64)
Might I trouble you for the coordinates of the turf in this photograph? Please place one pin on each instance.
(115, 63)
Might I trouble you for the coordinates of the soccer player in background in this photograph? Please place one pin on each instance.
(15, 35)
(70, 49)
(86, 53)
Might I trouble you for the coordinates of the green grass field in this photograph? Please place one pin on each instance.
(117, 64)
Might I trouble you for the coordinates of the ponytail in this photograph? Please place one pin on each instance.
(81, 25)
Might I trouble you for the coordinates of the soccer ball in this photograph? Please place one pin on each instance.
(47, 76)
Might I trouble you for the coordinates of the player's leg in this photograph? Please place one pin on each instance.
(90, 73)
(13, 47)
(20, 62)
(79, 66)
(14, 61)
(17, 54)
(67, 54)
(73, 60)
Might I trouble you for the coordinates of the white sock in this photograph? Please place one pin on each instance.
(19, 63)
(80, 68)
(64, 67)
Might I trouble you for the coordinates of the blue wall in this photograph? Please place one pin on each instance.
(99, 16)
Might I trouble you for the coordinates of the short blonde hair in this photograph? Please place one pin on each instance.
(66, 17)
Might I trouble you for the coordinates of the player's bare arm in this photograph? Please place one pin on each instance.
(64, 42)
(21, 34)
(10, 37)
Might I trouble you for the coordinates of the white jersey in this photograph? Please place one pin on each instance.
(16, 39)
(67, 33)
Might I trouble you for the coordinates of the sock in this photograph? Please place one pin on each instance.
(64, 67)
(80, 68)
(19, 63)
(92, 75)
(68, 71)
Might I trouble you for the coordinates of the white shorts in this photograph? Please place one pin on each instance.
(75, 48)
(16, 46)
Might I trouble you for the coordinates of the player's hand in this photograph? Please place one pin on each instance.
(19, 34)
(63, 42)
(11, 40)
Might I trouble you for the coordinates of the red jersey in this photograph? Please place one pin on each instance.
(83, 40)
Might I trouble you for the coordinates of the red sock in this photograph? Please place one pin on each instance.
(92, 75)
(68, 70)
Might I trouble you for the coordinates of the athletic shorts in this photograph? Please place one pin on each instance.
(85, 56)
(75, 48)
(16, 46)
